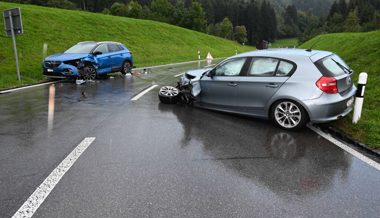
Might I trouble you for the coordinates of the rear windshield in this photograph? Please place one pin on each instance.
(332, 66)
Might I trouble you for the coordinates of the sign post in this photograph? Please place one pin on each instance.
(13, 27)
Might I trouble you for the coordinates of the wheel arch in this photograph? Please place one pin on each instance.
(287, 98)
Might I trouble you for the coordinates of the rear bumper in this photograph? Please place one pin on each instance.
(330, 107)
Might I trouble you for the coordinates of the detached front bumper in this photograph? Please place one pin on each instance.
(330, 107)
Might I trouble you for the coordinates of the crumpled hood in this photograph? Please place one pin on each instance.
(193, 77)
(197, 73)
(66, 57)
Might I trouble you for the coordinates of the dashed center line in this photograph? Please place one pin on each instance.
(137, 97)
(40, 194)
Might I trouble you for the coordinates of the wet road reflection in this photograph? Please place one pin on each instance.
(288, 163)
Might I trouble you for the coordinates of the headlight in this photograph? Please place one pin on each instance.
(75, 63)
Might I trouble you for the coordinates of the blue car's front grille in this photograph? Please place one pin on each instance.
(52, 64)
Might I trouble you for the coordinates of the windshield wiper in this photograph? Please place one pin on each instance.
(345, 69)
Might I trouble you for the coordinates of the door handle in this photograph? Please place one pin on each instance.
(232, 84)
(272, 85)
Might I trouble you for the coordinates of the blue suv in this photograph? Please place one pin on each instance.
(88, 60)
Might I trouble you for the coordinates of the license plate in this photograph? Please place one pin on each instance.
(350, 102)
(50, 70)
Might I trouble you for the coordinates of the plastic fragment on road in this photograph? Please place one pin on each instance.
(80, 81)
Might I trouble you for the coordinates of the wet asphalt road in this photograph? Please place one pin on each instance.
(154, 160)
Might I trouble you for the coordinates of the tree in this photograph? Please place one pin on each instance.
(240, 34)
(118, 9)
(134, 9)
(162, 10)
(106, 11)
(61, 4)
(290, 26)
(342, 5)
(352, 22)
(197, 17)
(226, 28)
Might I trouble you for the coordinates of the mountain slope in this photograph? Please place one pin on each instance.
(151, 42)
(362, 53)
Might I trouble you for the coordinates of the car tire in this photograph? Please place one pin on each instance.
(289, 115)
(88, 73)
(169, 95)
(126, 68)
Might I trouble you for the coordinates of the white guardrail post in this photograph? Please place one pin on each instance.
(359, 98)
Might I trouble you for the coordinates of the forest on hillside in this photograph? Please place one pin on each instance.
(245, 21)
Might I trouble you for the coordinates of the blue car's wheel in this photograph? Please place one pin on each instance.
(126, 68)
(88, 73)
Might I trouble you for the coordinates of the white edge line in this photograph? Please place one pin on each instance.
(166, 65)
(179, 75)
(40, 194)
(137, 97)
(345, 147)
(26, 87)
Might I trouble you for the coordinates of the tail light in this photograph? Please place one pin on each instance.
(328, 85)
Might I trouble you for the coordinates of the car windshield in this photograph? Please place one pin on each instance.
(83, 48)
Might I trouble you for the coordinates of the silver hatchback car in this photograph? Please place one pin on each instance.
(289, 86)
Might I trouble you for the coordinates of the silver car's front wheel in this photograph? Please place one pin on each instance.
(289, 115)
(169, 95)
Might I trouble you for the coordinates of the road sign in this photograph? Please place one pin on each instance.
(16, 21)
(13, 27)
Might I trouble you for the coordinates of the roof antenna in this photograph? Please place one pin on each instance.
(310, 49)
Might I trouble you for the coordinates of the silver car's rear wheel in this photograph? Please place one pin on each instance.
(289, 115)
(169, 95)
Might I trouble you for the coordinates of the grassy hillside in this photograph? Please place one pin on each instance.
(151, 42)
(362, 52)
(285, 43)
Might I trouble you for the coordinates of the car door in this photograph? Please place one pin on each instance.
(220, 89)
(116, 56)
(103, 59)
(264, 78)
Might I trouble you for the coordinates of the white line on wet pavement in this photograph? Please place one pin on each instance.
(179, 75)
(141, 94)
(26, 87)
(345, 147)
(42, 192)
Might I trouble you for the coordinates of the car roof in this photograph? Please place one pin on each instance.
(98, 43)
(287, 53)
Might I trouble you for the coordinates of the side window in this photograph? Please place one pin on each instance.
(113, 48)
(231, 68)
(263, 67)
(284, 68)
(103, 48)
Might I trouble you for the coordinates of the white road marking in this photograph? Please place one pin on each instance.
(167, 65)
(26, 87)
(137, 97)
(40, 194)
(179, 75)
(345, 147)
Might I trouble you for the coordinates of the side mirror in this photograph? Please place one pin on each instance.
(211, 73)
(97, 53)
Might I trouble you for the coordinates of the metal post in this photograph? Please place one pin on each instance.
(14, 44)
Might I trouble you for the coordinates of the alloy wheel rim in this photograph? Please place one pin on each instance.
(90, 74)
(169, 91)
(127, 67)
(288, 114)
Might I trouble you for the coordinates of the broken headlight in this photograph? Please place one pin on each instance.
(75, 63)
